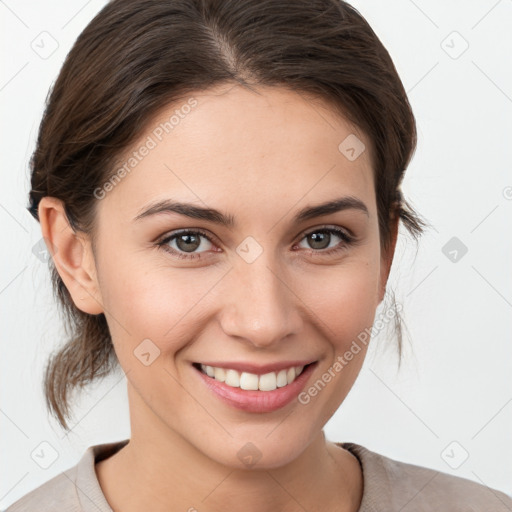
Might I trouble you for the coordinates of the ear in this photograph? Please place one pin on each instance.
(72, 256)
(387, 256)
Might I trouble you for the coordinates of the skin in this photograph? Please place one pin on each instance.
(289, 304)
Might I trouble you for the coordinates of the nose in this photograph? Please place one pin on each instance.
(260, 306)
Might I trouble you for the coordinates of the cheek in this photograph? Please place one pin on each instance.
(147, 298)
(343, 299)
(342, 304)
(144, 300)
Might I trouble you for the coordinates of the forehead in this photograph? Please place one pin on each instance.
(230, 145)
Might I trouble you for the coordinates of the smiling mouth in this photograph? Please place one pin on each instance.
(250, 381)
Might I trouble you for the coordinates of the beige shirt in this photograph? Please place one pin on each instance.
(389, 486)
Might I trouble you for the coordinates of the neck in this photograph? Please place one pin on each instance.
(159, 470)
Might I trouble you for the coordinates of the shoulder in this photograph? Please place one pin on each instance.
(75, 490)
(59, 493)
(393, 485)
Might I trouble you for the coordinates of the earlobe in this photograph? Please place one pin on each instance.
(72, 256)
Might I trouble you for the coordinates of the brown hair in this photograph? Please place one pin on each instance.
(137, 56)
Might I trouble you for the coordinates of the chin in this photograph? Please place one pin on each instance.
(266, 450)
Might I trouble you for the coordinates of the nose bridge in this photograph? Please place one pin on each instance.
(259, 304)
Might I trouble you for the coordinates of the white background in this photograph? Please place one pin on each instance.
(455, 386)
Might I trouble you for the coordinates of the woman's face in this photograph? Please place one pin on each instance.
(265, 289)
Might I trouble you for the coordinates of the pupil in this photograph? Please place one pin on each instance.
(187, 239)
(320, 237)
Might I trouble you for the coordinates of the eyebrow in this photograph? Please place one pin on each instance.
(215, 216)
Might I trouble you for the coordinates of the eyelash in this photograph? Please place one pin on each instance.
(347, 241)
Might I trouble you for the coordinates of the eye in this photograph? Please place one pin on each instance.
(321, 238)
(186, 242)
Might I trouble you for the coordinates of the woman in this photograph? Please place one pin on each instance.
(272, 137)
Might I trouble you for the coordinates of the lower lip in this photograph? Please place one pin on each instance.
(257, 401)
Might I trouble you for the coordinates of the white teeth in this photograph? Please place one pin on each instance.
(281, 379)
(268, 382)
(219, 374)
(232, 378)
(250, 381)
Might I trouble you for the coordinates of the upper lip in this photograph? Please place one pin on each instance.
(259, 369)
